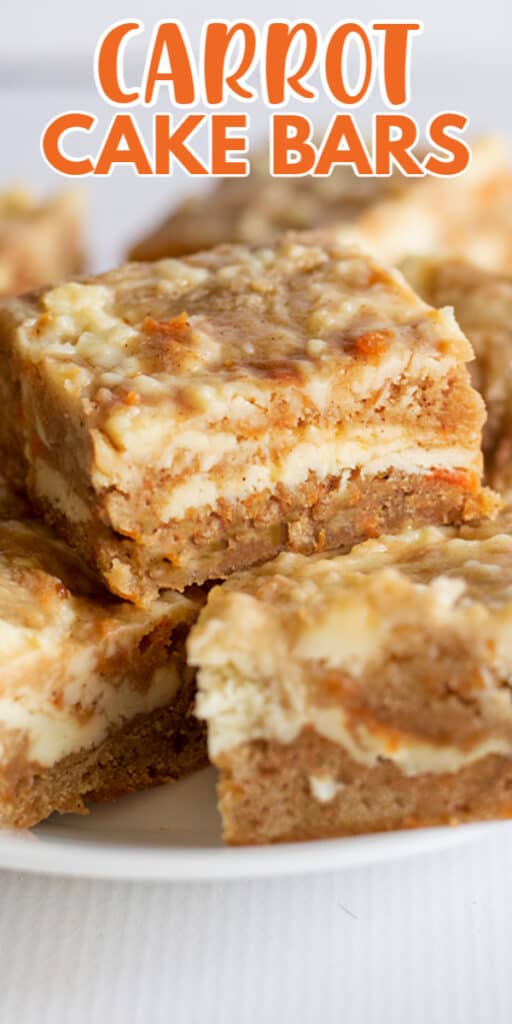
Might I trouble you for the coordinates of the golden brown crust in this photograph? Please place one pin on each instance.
(265, 793)
(151, 749)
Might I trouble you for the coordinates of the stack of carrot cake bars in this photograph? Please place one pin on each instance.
(171, 425)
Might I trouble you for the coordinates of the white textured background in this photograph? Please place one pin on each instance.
(424, 941)
(60, 28)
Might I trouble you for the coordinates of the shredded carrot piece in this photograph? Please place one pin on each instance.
(393, 744)
(131, 398)
(444, 347)
(458, 477)
(373, 343)
(176, 325)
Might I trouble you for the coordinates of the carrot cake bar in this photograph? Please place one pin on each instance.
(183, 419)
(95, 696)
(362, 692)
(468, 215)
(40, 242)
(482, 303)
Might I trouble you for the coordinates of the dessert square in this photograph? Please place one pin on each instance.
(96, 699)
(40, 242)
(362, 692)
(187, 418)
(482, 303)
(469, 215)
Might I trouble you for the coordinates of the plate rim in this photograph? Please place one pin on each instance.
(90, 859)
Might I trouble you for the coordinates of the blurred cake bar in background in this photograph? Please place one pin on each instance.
(40, 241)
(483, 307)
(468, 217)
(96, 699)
(180, 420)
(392, 217)
(255, 210)
(362, 692)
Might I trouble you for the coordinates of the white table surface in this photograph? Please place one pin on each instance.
(424, 941)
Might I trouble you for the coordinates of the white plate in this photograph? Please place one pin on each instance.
(173, 833)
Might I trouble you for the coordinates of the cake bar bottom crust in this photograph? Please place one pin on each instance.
(266, 793)
(318, 516)
(151, 749)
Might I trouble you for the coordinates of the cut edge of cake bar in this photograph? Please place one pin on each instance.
(96, 698)
(363, 692)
